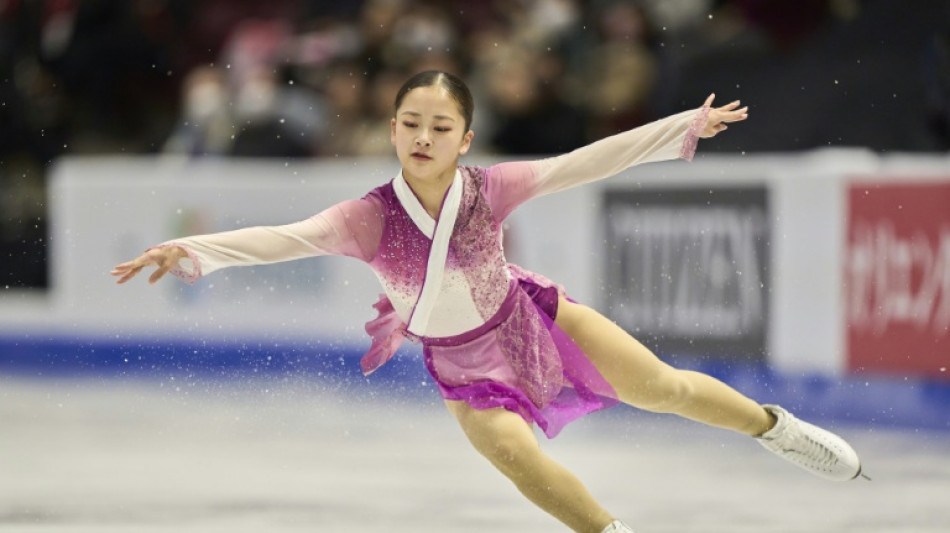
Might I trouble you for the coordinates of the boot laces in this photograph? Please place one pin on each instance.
(800, 444)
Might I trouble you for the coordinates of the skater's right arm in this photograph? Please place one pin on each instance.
(351, 228)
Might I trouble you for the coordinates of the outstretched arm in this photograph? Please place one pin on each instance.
(350, 228)
(511, 184)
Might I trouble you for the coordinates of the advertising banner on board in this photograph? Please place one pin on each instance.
(687, 269)
(897, 278)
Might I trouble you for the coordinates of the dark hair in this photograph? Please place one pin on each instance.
(450, 82)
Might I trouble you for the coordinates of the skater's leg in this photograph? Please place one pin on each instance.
(644, 381)
(509, 443)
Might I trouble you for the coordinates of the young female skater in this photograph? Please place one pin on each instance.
(505, 346)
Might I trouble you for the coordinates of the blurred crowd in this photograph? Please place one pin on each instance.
(316, 78)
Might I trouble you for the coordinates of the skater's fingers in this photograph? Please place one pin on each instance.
(164, 257)
(138, 262)
(121, 269)
(729, 107)
(166, 263)
(127, 274)
(718, 117)
(734, 115)
(158, 274)
(129, 269)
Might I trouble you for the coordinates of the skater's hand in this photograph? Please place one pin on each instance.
(165, 258)
(719, 116)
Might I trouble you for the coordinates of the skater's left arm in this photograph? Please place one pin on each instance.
(674, 137)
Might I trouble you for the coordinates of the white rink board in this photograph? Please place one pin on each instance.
(107, 210)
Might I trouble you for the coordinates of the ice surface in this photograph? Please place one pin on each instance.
(93, 455)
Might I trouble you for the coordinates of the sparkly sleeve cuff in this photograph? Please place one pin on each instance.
(688, 150)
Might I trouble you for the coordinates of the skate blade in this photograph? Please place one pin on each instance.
(861, 474)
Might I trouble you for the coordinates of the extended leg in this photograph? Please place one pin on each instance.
(509, 443)
(643, 380)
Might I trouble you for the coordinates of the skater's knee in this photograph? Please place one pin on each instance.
(502, 437)
(509, 454)
(506, 448)
(668, 393)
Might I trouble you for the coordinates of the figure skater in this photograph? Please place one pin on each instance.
(506, 347)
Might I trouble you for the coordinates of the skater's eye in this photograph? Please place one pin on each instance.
(442, 129)
(408, 124)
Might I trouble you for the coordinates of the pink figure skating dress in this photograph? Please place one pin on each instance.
(487, 327)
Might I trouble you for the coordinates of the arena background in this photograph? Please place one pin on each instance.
(804, 257)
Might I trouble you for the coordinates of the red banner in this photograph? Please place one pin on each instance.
(897, 278)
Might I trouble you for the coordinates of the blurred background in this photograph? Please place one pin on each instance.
(316, 79)
(804, 256)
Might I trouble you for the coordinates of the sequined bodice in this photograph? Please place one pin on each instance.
(476, 280)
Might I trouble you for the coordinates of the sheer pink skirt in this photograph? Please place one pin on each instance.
(520, 360)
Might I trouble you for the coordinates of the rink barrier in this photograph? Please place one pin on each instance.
(184, 362)
(183, 359)
(782, 258)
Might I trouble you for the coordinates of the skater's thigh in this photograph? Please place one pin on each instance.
(635, 372)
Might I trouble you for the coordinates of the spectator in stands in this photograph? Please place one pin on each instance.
(205, 126)
(621, 69)
(531, 117)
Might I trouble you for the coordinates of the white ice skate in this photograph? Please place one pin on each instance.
(819, 451)
(617, 527)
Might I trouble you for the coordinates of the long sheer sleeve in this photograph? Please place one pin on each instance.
(352, 228)
(510, 184)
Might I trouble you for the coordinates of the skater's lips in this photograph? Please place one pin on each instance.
(421, 156)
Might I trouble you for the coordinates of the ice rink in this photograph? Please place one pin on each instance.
(91, 455)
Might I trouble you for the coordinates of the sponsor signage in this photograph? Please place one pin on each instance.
(687, 270)
(897, 278)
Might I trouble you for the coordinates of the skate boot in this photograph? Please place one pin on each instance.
(819, 451)
(617, 527)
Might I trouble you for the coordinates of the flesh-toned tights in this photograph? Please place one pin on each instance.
(639, 378)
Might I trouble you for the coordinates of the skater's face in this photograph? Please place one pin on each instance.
(429, 134)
